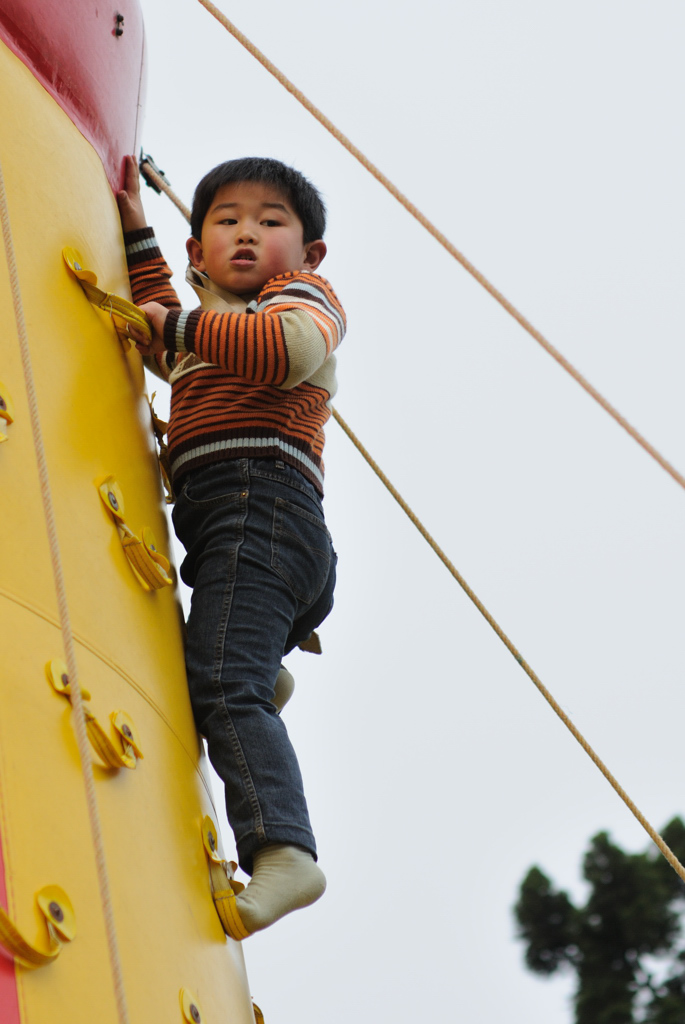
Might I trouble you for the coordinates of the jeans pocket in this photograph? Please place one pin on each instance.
(205, 512)
(209, 488)
(301, 550)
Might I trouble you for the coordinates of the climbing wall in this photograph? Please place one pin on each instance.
(176, 962)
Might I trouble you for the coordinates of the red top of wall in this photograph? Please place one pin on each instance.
(96, 76)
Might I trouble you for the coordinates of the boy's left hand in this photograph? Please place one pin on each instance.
(157, 315)
(129, 199)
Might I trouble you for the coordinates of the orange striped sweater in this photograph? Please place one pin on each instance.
(245, 384)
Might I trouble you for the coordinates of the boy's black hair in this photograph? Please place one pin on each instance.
(300, 193)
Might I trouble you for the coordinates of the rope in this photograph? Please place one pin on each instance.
(65, 624)
(649, 829)
(147, 169)
(443, 240)
(651, 832)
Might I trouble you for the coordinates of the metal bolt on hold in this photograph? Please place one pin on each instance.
(3, 403)
(56, 911)
(127, 732)
(64, 679)
(113, 500)
(195, 1013)
(212, 842)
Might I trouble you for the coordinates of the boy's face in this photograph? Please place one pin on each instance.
(250, 234)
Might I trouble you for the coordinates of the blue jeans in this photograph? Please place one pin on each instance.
(262, 567)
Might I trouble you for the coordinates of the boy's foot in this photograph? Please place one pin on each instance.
(283, 690)
(285, 878)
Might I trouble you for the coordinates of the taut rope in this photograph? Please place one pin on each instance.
(443, 240)
(651, 832)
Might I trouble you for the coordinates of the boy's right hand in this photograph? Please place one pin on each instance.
(128, 200)
(157, 315)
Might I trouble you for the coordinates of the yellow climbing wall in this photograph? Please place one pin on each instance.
(95, 423)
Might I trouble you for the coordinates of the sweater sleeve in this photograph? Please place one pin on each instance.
(150, 279)
(285, 336)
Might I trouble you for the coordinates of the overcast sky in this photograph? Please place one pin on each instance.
(546, 141)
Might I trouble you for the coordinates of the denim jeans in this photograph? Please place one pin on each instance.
(262, 567)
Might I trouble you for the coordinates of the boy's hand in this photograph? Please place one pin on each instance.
(157, 315)
(128, 200)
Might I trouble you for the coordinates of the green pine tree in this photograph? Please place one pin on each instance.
(625, 944)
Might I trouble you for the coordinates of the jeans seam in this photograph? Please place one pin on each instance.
(278, 532)
(310, 517)
(302, 488)
(219, 657)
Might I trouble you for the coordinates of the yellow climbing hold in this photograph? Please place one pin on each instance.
(122, 311)
(6, 408)
(129, 750)
(59, 915)
(190, 1007)
(150, 566)
(58, 677)
(223, 885)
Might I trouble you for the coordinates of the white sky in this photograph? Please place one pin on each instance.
(546, 140)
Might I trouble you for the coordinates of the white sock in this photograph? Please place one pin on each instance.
(283, 690)
(285, 878)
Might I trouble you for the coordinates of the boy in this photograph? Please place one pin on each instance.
(252, 372)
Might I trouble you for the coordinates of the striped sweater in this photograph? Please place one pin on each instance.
(247, 380)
